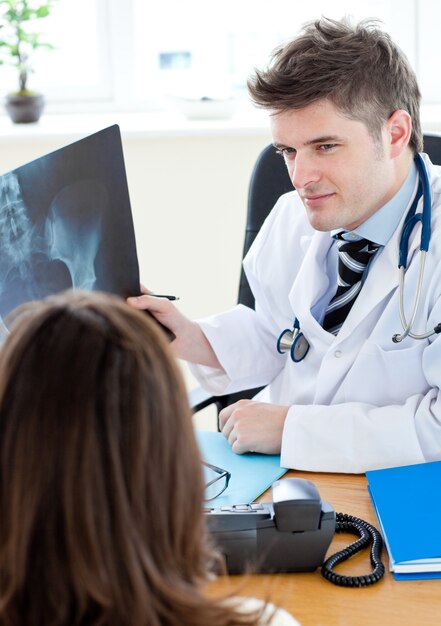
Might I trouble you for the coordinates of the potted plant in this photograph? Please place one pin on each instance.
(18, 41)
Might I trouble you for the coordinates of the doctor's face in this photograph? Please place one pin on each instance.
(342, 174)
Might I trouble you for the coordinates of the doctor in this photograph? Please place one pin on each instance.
(344, 111)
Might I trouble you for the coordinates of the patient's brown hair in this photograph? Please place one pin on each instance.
(101, 488)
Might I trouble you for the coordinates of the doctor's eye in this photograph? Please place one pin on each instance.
(286, 151)
(327, 147)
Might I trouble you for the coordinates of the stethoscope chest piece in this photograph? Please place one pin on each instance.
(299, 348)
(294, 341)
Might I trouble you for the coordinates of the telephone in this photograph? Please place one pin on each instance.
(291, 534)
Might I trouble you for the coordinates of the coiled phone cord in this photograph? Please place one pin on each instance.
(368, 535)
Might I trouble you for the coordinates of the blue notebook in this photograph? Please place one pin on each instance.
(407, 503)
(251, 474)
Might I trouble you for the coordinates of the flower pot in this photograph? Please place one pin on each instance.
(23, 109)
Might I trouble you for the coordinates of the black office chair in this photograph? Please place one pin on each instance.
(269, 180)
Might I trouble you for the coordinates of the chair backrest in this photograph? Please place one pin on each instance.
(432, 147)
(269, 180)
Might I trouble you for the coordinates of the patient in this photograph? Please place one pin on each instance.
(101, 487)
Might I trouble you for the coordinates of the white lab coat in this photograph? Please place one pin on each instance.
(357, 401)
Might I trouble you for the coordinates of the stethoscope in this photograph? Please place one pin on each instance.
(294, 341)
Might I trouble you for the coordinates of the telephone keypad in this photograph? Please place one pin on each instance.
(241, 508)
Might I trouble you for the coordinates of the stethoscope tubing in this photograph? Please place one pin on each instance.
(408, 325)
(409, 224)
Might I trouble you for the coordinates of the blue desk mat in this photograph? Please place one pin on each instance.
(251, 474)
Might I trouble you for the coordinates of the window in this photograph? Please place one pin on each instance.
(78, 69)
(132, 53)
(80, 66)
(224, 41)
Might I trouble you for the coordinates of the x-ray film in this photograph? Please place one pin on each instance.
(66, 222)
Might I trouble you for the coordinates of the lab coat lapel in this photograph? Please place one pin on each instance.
(311, 280)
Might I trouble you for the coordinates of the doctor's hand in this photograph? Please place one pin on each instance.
(252, 426)
(190, 343)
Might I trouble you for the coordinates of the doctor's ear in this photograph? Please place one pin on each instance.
(399, 129)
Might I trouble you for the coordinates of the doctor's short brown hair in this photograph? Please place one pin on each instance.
(358, 68)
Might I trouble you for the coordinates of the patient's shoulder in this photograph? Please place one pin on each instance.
(280, 616)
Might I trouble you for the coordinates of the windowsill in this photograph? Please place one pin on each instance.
(134, 125)
(154, 125)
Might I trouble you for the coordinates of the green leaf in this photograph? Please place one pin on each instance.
(16, 43)
(42, 11)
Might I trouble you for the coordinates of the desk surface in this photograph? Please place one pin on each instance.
(316, 602)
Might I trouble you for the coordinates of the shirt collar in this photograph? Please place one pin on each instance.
(380, 227)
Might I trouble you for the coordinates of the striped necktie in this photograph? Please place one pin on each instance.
(353, 258)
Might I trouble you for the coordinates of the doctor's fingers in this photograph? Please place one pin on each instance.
(244, 436)
(256, 427)
(257, 434)
(157, 306)
(235, 433)
(228, 415)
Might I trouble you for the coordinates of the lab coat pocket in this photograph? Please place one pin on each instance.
(381, 377)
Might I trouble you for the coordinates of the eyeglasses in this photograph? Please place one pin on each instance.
(216, 480)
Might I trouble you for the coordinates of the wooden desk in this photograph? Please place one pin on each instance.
(316, 602)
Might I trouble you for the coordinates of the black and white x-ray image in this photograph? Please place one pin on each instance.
(66, 222)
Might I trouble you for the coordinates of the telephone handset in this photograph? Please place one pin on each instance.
(290, 534)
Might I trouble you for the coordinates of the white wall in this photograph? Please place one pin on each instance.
(189, 205)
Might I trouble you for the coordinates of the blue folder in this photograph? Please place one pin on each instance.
(251, 474)
(407, 503)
